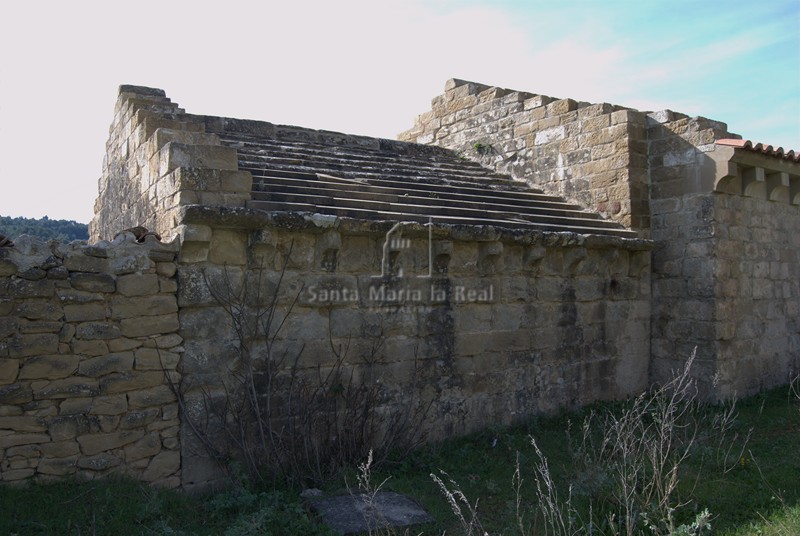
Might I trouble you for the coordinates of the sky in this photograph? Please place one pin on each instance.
(369, 67)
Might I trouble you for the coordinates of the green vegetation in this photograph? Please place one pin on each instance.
(749, 483)
(45, 228)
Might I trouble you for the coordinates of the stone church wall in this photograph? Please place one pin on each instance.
(594, 155)
(508, 324)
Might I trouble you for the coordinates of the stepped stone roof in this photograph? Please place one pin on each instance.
(319, 172)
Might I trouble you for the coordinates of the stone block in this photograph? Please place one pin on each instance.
(153, 396)
(92, 282)
(92, 444)
(72, 406)
(136, 307)
(17, 474)
(8, 370)
(68, 295)
(151, 325)
(84, 312)
(139, 419)
(31, 345)
(228, 247)
(22, 423)
(130, 381)
(99, 462)
(148, 446)
(109, 405)
(106, 364)
(177, 155)
(15, 393)
(89, 348)
(164, 464)
(48, 367)
(97, 331)
(156, 359)
(137, 284)
(39, 310)
(14, 440)
(65, 388)
(65, 427)
(22, 288)
(78, 262)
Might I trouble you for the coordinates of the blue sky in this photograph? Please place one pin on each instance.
(368, 67)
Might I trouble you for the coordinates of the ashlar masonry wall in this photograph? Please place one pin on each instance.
(157, 160)
(592, 154)
(88, 347)
(509, 323)
(726, 262)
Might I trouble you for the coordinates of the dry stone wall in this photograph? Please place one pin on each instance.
(88, 340)
(592, 154)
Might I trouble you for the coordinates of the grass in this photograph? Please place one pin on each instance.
(750, 491)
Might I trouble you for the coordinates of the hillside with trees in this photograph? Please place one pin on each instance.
(45, 228)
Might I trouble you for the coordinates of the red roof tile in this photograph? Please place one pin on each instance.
(760, 148)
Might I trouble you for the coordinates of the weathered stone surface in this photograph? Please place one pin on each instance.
(32, 345)
(58, 466)
(109, 405)
(48, 367)
(151, 325)
(66, 427)
(106, 364)
(84, 312)
(39, 310)
(72, 406)
(137, 307)
(15, 439)
(138, 419)
(138, 284)
(59, 449)
(153, 396)
(22, 424)
(349, 514)
(164, 464)
(123, 344)
(148, 446)
(99, 462)
(8, 370)
(65, 388)
(95, 443)
(15, 393)
(130, 381)
(89, 348)
(97, 330)
(156, 359)
(92, 282)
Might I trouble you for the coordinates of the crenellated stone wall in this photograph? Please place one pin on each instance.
(88, 346)
(592, 154)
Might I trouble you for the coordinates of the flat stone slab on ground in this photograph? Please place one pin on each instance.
(354, 513)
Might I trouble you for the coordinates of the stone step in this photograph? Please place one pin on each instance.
(254, 162)
(444, 159)
(373, 179)
(274, 187)
(266, 151)
(323, 202)
(261, 181)
(363, 214)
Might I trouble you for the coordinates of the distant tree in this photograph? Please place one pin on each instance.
(45, 228)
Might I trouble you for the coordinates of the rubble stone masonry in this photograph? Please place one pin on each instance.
(88, 347)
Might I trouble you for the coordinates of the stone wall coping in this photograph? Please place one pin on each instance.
(245, 218)
(31, 252)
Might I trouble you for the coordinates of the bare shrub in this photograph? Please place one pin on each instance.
(281, 421)
(628, 464)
